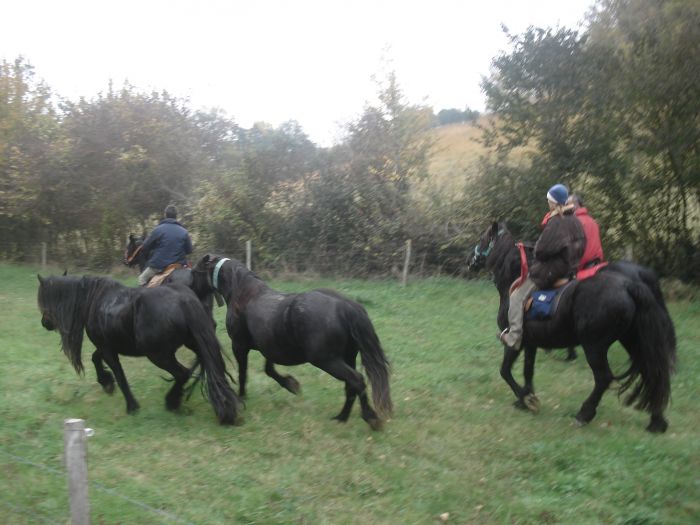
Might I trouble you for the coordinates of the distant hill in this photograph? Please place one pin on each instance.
(455, 158)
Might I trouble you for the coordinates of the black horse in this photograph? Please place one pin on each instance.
(320, 327)
(151, 322)
(622, 302)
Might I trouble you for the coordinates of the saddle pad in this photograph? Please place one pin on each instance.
(590, 272)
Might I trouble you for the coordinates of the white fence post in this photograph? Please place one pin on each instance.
(248, 254)
(75, 442)
(406, 262)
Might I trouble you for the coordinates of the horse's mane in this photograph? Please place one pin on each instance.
(68, 299)
(246, 283)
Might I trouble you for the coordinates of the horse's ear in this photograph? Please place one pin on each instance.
(494, 228)
(65, 272)
(131, 237)
(41, 279)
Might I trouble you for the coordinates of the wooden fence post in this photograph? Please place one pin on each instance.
(406, 261)
(248, 254)
(43, 257)
(75, 443)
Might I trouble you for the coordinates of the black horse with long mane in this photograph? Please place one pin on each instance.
(151, 322)
(622, 302)
(320, 327)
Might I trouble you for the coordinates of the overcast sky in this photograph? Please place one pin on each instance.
(308, 60)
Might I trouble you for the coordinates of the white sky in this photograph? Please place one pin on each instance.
(273, 60)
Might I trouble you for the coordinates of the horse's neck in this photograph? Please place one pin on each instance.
(241, 288)
(505, 263)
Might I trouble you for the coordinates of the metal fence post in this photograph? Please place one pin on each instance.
(75, 442)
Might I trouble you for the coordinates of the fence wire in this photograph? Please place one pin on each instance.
(167, 516)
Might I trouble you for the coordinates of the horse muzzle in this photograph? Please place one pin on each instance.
(46, 323)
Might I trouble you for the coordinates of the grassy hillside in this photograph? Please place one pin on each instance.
(455, 444)
(454, 159)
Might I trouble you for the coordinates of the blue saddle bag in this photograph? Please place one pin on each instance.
(543, 304)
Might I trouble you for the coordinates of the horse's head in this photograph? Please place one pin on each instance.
(205, 275)
(484, 246)
(132, 252)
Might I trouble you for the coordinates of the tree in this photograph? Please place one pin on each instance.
(28, 127)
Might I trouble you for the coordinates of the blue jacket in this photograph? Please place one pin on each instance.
(168, 243)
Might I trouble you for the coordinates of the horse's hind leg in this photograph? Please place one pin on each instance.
(350, 394)
(104, 378)
(180, 373)
(354, 384)
(597, 357)
(288, 382)
(112, 361)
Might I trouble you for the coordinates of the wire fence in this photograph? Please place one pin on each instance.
(393, 259)
(32, 514)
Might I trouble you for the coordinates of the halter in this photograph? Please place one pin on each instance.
(215, 273)
(488, 249)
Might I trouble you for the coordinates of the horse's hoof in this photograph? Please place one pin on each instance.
(532, 403)
(293, 385)
(519, 404)
(657, 426)
(108, 388)
(133, 409)
(578, 422)
(340, 418)
(375, 423)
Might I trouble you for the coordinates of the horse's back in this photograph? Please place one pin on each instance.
(296, 328)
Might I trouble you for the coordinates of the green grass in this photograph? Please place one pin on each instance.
(455, 444)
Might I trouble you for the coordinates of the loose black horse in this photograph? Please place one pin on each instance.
(622, 302)
(151, 322)
(320, 327)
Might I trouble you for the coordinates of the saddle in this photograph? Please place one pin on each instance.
(158, 279)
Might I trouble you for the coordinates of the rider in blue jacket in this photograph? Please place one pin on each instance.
(168, 243)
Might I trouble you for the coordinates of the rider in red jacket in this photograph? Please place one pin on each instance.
(593, 253)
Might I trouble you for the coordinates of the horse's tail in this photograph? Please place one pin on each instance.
(653, 353)
(373, 358)
(209, 355)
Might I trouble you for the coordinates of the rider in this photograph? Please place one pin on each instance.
(557, 254)
(168, 243)
(593, 254)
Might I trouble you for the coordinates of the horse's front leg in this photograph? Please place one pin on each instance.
(104, 377)
(112, 360)
(240, 352)
(530, 400)
(510, 355)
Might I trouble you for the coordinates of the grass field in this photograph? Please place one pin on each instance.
(455, 444)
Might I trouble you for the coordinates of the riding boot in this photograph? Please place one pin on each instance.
(513, 336)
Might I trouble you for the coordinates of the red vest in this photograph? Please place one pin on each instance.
(594, 248)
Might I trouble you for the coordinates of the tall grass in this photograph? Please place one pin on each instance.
(455, 444)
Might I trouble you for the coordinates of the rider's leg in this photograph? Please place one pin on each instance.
(514, 334)
(146, 275)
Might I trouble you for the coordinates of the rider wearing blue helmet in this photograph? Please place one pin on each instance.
(557, 254)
